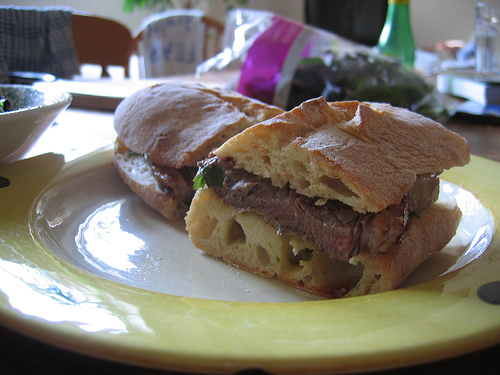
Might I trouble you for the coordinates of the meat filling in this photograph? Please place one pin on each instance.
(175, 182)
(333, 226)
(178, 183)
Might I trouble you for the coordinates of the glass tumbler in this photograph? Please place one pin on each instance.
(487, 40)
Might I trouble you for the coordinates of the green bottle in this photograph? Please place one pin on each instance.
(396, 38)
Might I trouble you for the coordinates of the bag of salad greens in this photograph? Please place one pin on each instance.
(284, 63)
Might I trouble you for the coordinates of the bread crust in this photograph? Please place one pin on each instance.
(425, 235)
(247, 241)
(178, 124)
(366, 155)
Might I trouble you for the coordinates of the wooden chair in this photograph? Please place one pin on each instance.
(103, 42)
(213, 37)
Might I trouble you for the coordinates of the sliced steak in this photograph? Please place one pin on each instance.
(333, 226)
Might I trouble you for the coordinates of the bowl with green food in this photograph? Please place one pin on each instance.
(25, 113)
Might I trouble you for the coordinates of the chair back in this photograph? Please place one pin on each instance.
(214, 30)
(101, 41)
(176, 42)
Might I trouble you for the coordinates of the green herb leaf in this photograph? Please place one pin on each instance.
(414, 214)
(199, 180)
(208, 176)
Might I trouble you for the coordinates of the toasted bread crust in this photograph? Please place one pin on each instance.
(363, 154)
(177, 124)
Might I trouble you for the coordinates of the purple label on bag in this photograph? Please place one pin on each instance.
(261, 69)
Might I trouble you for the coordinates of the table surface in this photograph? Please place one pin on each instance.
(78, 131)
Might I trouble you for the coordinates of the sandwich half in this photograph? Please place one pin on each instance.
(335, 198)
(164, 130)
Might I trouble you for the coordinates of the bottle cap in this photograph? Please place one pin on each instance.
(396, 2)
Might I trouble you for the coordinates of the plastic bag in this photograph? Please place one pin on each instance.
(284, 63)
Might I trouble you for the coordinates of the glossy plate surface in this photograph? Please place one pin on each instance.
(86, 265)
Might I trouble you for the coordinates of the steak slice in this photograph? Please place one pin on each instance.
(332, 225)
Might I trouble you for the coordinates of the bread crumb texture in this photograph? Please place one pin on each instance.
(136, 173)
(247, 241)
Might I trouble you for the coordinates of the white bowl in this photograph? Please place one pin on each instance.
(32, 112)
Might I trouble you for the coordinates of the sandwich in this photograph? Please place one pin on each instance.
(339, 199)
(164, 130)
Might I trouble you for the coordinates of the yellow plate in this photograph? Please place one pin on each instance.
(93, 297)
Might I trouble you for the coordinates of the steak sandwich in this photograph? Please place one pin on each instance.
(339, 199)
(164, 130)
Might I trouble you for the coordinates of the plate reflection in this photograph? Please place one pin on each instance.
(34, 294)
(104, 243)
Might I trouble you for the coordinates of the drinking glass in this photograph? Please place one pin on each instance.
(487, 40)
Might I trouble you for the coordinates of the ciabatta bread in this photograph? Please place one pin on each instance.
(334, 198)
(167, 128)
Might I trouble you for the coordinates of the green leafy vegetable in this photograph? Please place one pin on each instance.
(4, 104)
(208, 176)
(365, 77)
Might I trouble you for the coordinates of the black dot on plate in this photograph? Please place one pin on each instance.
(4, 182)
(490, 292)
